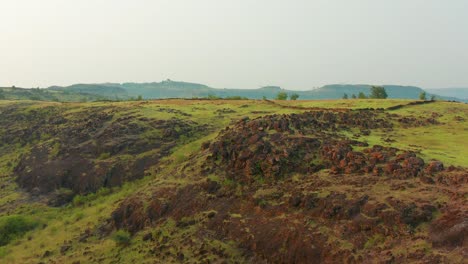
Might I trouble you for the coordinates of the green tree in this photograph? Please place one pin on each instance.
(378, 92)
(361, 95)
(423, 96)
(345, 96)
(353, 96)
(139, 98)
(294, 96)
(433, 97)
(282, 96)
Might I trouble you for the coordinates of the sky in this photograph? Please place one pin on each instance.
(295, 44)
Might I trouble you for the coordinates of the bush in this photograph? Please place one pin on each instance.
(14, 226)
(121, 237)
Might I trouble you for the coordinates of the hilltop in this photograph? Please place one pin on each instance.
(236, 181)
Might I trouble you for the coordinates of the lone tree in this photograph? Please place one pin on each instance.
(294, 96)
(345, 96)
(281, 96)
(423, 96)
(353, 96)
(361, 95)
(378, 92)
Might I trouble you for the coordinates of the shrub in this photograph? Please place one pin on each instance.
(121, 237)
(14, 226)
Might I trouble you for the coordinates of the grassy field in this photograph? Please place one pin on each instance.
(58, 226)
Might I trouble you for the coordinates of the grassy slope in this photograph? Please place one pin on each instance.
(445, 142)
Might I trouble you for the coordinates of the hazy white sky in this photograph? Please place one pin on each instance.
(297, 44)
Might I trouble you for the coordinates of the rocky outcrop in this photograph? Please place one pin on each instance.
(273, 147)
(92, 149)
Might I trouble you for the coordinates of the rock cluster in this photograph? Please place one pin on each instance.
(273, 147)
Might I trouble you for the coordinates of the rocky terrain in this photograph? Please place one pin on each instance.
(188, 181)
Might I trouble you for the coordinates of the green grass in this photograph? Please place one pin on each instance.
(121, 237)
(445, 142)
(14, 226)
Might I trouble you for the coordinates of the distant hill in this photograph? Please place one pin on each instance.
(177, 89)
(461, 93)
(59, 95)
(167, 89)
(174, 89)
(107, 89)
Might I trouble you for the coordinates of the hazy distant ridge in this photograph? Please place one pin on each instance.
(177, 89)
(461, 93)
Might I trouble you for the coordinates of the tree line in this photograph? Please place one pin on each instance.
(376, 92)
